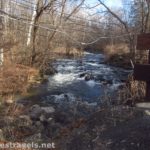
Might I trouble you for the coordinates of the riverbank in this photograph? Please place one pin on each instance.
(76, 125)
(119, 60)
(17, 78)
(63, 109)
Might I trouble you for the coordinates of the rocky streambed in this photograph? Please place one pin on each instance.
(77, 126)
(87, 78)
(63, 113)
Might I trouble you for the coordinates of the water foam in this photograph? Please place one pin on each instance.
(91, 83)
(60, 78)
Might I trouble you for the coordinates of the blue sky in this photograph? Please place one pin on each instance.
(110, 3)
(115, 4)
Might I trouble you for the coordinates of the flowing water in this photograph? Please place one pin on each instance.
(87, 78)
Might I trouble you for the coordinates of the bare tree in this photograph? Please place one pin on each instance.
(131, 37)
(1, 34)
(32, 22)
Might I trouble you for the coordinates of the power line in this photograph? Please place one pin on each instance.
(22, 5)
(60, 12)
(29, 2)
(63, 27)
(74, 17)
(67, 35)
(67, 14)
(74, 21)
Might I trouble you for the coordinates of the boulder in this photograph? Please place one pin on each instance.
(42, 118)
(35, 112)
(1, 135)
(9, 101)
(106, 82)
(26, 120)
(48, 71)
(82, 75)
(49, 119)
(143, 105)
(38, 124)
(89, 77)
(38, 113)
(35, 138)
(48, 110)
(100, 77)
(109, 82)
(8, 119)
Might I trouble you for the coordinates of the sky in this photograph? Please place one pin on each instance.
(115, 4)
(110, 3)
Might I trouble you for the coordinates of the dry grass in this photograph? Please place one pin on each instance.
(132, 92)
(14, 78)
(118, 55)
(62, 51)
(116, 49)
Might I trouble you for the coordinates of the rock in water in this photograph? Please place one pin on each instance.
(89, 77)
(82, 75)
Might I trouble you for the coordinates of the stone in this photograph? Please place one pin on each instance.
(144, 105)
(8, 119)
(36, 137)
(35, 106)
(38, 124)
(1, 135)
(147, 112)
(26, 120)
(20, 107)
(42, 118)
(82, 75)
(48, 110)
(106, 82)
(44, 80)
(48, 71)
(109, 82)
(35, 112)
(49, 119)
(99, 78)
(89, 77)
(9, 101)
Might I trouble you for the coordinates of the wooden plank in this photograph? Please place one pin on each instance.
(143, 41)
(142, 72)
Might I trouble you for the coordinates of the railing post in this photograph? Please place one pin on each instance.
(142, 71)
(148, 82)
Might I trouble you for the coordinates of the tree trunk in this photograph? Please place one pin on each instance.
(1, 34)
(32, 23)
(1, 56)
(125, 25)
